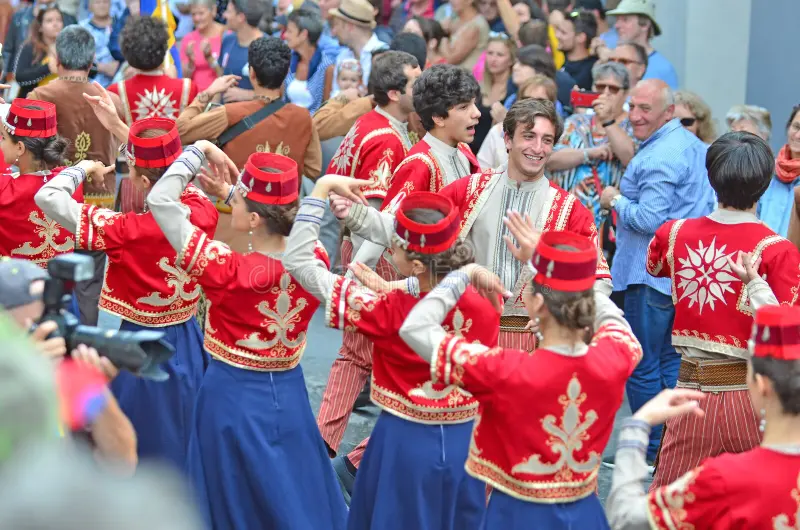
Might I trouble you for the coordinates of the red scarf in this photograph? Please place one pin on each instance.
(786, 167)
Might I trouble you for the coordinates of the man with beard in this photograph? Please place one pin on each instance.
(371, 151)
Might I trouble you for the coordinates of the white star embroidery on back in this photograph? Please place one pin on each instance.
(344, 155)
(155, 104)
(705, 275)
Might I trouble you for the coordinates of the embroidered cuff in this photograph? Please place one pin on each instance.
(77, 174)
(455, 283)
(311, 210)
(635, 434)
(355, 219)
(193, 158)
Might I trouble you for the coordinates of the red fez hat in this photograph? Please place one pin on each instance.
(776, 332)
(425, 238)
(39, 122)
(160, 151)
(266, 187)
(561, 269)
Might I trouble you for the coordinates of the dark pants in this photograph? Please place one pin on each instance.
(651, 314)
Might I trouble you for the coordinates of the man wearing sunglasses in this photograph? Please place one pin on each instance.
(632, 56)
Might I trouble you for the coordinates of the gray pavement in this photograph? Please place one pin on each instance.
(323, 345)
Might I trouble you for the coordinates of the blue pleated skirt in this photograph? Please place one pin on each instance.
(412, 476)
(507, 513)
(161, 412)
(256, 457)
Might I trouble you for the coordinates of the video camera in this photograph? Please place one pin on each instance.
(139, 352)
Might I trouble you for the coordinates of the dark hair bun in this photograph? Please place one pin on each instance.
(54, 151)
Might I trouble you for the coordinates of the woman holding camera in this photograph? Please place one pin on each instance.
(595, 148)
(143, 284)
(256, 457)
(31, 142)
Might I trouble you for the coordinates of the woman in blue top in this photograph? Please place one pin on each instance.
(310, 76)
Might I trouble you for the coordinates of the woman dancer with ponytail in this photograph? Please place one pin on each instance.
(412, 474)
(256, 457)
(31, 142)
(143, 286)
(541, 473)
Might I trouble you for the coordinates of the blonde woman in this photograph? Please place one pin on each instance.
(496, 86)
(695, 115)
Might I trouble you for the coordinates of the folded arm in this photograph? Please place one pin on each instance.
(164, 200)
(56, 201)
(422, 329)
(657, 195)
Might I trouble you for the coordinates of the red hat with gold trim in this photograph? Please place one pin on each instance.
(427, 238)
(158, 151)
(776, 333)
(570, 269)
(34, 119)
(269, 178)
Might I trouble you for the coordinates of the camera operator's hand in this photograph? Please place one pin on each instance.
(95, 171)
(87, 355)
(54, 348)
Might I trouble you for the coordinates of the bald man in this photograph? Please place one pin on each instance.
(666, 180)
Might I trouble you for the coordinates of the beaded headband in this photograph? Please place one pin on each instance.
(36, 122)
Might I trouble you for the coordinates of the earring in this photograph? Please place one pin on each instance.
(762, 425)
(538, 332)
(250, 242)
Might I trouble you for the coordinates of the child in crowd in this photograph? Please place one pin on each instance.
(350, 75)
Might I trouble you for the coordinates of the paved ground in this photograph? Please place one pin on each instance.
(323, 345)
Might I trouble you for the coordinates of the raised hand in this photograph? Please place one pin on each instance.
(220, 163)
(671, 403)
(346, 187)
(744, 267)
(487, 283)
(96, 171)
(213, 183)
(223, 83)
(522, 230)
(369, 278)
(339, 205)
(103, 106)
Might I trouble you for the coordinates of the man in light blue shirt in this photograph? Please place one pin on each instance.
(667, 179)
(636, 22)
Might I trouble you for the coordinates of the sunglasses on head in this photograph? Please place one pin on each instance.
(688, 122)
(602, 87)
(498, 35)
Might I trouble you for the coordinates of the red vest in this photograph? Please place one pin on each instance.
(420, 171)
(25, 231)
(401, 382)
(541, 438)
(258, 313)
(143, 284)
(756, 490)
(371, 150)
(712, 311)
(154, 96)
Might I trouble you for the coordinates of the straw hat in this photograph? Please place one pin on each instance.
(358, 12)
(638, 7)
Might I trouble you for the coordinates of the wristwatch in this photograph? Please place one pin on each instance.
(609, 123)
(614, 200)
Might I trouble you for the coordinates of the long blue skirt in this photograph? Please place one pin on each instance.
(161, 412)
(256, 457)
(412, 476)
(507, 513)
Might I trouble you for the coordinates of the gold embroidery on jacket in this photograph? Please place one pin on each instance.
(279, 320)
(47, 230)
(83, 143)
(280, 149)
(668, 502)
(565, 438)
(176, 280)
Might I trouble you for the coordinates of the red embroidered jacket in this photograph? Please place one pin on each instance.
(143, 284)
(540, 439)
(401, 382)
(25, 231)
(712, 311)
(370, 151)
(154, 96)
(258, 314)
(562, 212)
(756, 490)
(420, 171)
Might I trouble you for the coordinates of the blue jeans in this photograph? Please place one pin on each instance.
(651, 314)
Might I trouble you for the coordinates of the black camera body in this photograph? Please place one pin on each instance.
(139, 352)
